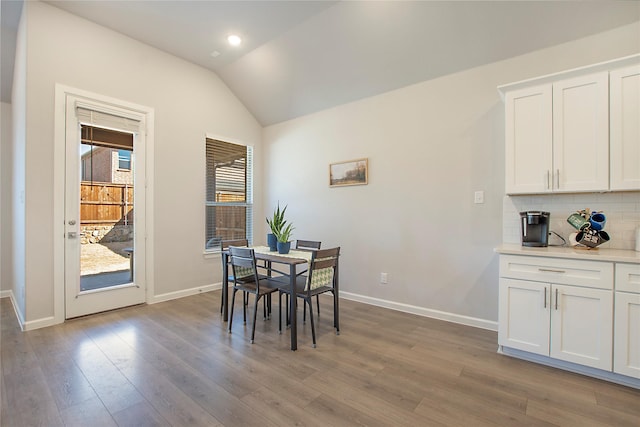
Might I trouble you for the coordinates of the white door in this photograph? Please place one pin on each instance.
(528, 140)
(524, 315)
(581, 133)
(79, 299)
(627, 332)
(582, 326)
(625, 128)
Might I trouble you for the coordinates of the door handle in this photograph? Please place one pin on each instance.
(72, 235)
(545, 297)
(556, 299)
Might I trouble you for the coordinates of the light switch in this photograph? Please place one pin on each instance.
(478, 197)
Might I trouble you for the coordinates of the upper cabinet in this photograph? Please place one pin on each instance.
(581, 134)
(529, 143)
(561, 138)
(624, 111)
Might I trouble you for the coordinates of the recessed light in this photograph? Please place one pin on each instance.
(234, 40)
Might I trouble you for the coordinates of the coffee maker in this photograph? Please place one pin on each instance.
(535, 228)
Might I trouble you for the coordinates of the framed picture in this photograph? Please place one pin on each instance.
(352, 172)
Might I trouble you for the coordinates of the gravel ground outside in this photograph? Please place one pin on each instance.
(98, 258)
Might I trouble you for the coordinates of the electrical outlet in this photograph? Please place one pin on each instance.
(478, 197)
(383, 278)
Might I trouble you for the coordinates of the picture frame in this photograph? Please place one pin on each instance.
(350, 172)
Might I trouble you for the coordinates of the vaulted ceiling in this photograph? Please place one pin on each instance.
(299, 57)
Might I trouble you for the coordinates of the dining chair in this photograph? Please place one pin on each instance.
(321, 278)
(242, 273)
(225, 245)
(243, 259)
(306, 245)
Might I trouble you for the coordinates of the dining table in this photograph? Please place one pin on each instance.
(291, 260)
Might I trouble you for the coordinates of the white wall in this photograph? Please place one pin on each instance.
(18, 172)
(5, 198)
(189, 102)
(430, 146)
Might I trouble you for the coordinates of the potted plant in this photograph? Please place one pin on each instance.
(276, 224)
(284, 239)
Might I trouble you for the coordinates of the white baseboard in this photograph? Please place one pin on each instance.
(406, 308)
(9, 294)
(421, 311)
(40, 323)
(183, 293)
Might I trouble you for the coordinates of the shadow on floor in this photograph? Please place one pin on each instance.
(104, 280)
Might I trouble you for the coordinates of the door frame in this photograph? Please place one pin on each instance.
(62, 94)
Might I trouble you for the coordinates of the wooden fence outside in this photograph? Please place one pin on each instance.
(106, 203)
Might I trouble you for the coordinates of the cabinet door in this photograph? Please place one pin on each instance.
(581, 133)
(528, 144)
(524, 315)
(624, 99)
(627, 342)
(582, 326)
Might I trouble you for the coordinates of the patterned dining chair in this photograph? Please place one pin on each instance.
(306, 245)
(322, 277)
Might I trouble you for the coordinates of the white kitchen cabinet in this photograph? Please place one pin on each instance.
(528, 150)
(558, 308)
(582, 326)
(627, 320)
(624, 95)
(581, 133)
(524, 315)
(557, 136)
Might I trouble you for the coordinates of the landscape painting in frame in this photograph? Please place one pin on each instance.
(352, 172)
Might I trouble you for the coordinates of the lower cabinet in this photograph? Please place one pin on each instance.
(582, 315)
(568, 323)
(627, 321)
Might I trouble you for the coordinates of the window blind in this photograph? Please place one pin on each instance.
(229, 193)
(107, 120)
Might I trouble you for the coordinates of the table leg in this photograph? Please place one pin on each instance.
(336, 299)
(293, 307)
(225, 287)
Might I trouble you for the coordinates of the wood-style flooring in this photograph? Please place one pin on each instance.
(174, 364)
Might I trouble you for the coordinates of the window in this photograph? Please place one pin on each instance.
(124, 159)
(229, 199)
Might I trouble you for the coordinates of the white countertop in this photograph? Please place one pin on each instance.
(596, 254)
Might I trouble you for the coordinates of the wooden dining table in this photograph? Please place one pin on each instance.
(292, 260)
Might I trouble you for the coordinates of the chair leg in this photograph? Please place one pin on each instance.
(304, 311)
(244, 307)
(279, 312)
(313, 326)
(233, 300)
(255, 314)
(286, 297)
(336, 314)
(318, 304)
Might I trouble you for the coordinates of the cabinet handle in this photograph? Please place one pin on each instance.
(556, 299)
(548, 180)
(557, 179)
(545, 297)
(551, 270)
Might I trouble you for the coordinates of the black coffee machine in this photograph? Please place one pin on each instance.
(535, 228)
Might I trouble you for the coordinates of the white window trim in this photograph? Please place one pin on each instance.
(214, 253)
